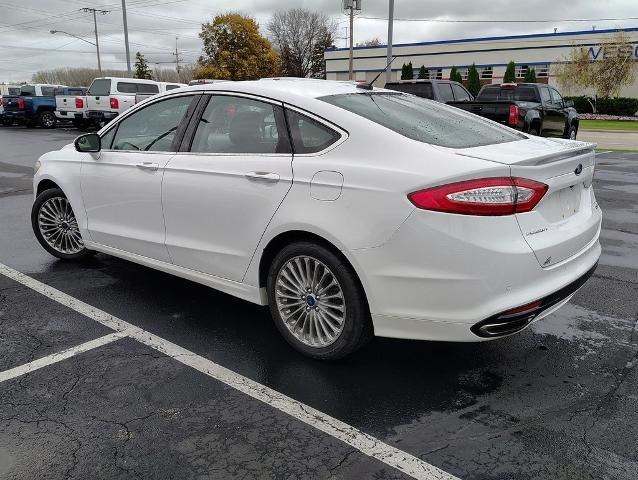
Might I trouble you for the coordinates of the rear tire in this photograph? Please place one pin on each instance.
(573, 131)
(7, 122)
(55, 226)
(533, 131)
(317, 302)
(46, 119)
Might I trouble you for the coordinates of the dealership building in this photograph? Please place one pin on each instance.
(541, 51)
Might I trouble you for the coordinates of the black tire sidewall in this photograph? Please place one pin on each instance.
(43, 115)
(358, 326)
(35, 209)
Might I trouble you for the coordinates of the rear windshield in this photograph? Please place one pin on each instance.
(14, 90)
(100, 87)
(27, 90)
(518, 94)
(423, 90)
(424, 120)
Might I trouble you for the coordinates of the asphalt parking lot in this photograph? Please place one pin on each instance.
(179, 381)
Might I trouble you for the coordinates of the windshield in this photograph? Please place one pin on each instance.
(424, 120)
(100, 87)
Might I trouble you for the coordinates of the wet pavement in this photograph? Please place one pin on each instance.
(558, 401)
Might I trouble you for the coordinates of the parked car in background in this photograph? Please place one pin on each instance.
(71, 105)
(534, 108)
(280, 192)
(7, 90)
(35, 105)
(443, 91)
(163, 86)
(108, 97)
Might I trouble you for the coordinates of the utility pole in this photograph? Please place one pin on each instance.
(388, 70)
(128, 53)
(351, 8)
(176, 54)
(350, 60)
(97, 43)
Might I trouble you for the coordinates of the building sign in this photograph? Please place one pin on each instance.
(627, 51)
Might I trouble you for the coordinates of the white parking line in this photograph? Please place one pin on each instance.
(59, 356)
(371, 446)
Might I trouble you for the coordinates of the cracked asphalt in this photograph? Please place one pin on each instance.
(558, 401)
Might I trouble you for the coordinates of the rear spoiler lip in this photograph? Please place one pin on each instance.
(542, 159)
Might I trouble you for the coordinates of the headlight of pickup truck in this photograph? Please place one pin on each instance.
(37, 166)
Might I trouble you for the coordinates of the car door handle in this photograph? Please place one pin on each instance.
(262, 176)
(148, 166)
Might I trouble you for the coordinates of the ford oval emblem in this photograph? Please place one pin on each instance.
(579, 169)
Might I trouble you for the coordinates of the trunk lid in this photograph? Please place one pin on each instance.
(567, 219)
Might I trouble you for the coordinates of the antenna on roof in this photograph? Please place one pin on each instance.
(368, 85)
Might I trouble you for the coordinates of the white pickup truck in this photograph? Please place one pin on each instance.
(71, 105)
(109, 96)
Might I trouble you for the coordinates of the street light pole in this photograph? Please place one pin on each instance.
(388, 71)
(128, 53)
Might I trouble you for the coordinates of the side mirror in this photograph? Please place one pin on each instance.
(88, 143)
(569, 103)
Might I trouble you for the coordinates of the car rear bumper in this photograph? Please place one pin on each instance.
(68, 115)
(441, 274)
(101, 115)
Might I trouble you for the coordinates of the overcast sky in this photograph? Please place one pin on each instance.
(26, 45)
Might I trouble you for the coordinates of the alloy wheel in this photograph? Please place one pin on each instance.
(310, 301)
(58, 226)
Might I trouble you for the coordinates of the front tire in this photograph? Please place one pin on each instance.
(55, 226)
(317, 302)
(571, 134)
(46, 119)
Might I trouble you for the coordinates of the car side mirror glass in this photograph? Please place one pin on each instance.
(569, 103)
(89, 142)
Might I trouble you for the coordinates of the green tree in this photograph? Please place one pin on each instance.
(407, 71)
(235, 50)
(455, 75)
(510, 73)
(530, 76)
(473, 81)
(142, 70)
(423, 73)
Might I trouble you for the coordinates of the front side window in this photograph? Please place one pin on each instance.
(100, 87)
(308, 135)
(545, 96)
(240, 125)
(460, 94)
(445, 89)
(423, 120)
(153, 127)
(48, 91)
(556, 98)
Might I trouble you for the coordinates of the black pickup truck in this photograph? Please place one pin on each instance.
(534, 108)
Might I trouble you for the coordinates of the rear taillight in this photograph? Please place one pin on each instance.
(79, 103)
(20, 104)
(114, 103)
(512, 118)
(0, 101)
(484, 196)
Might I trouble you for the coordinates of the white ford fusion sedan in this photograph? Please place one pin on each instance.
(350, 211)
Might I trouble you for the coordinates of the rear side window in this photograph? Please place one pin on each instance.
(423, 90)
(100, 87)
(147, 88)
(126, 87)
(460, 94)
(445, 90)
(241, 125)
(424, 121)
(172, 87)
(308, 135)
